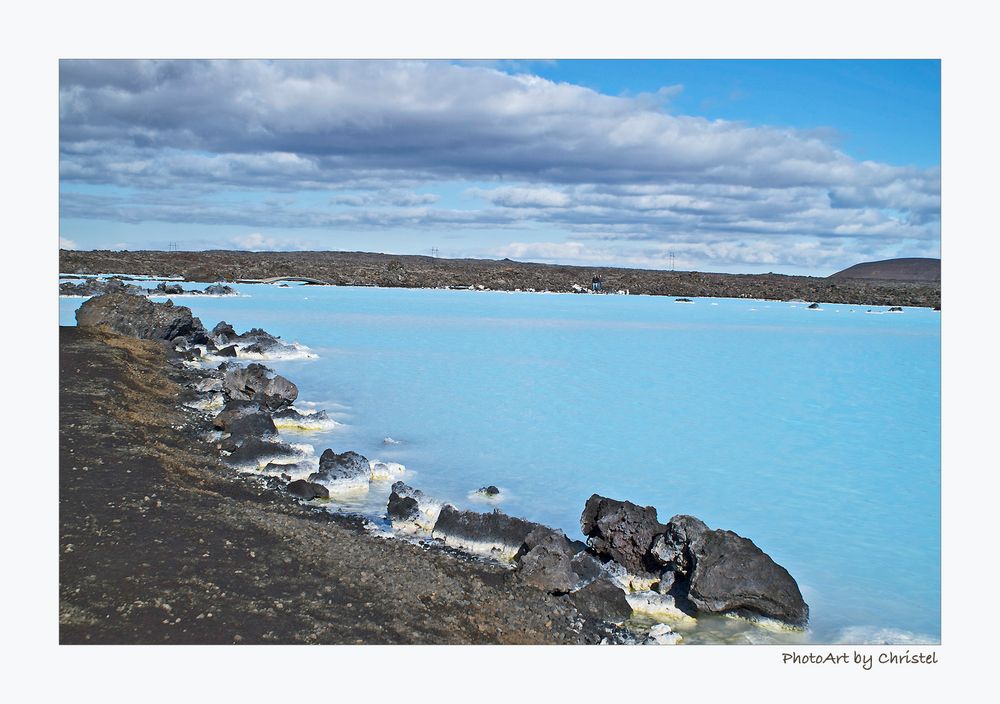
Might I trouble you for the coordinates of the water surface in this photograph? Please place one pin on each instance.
(816, 433)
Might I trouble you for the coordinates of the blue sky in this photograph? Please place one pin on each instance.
(738, 166)
(883, 110)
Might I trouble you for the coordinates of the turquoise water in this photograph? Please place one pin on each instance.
(814, 433)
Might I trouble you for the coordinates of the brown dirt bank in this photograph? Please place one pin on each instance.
(361, 268)
(160, 543)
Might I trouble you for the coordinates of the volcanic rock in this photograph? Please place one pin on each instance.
(621, 531)
(732, 574)
(136, 316)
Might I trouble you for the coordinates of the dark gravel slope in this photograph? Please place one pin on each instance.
(159, 543)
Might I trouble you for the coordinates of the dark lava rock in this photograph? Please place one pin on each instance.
(171, 289)
(683, 300)
(603, 600)
(488, 490)
(257, 335)
(548, 564)
(586, 567)
(224, 330)
(253, 382)
(136, 316)
(229, 351)
(896, 309)
(257, 425)
(97, 287)
(231, 411)
(200, 337)
(308, 490)
(496, 528)
(219, 290)
(670, 548)
(241, 383)
(621, 531)
(402, 490)
(813, 306)
(290, 414)
(256, 452)
(277, 393)
(346, 466)
(732, 574)
(262, 347)
(401, 508)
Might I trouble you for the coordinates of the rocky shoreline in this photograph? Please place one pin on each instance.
(97, 287)
(371, 269)
(632, 567)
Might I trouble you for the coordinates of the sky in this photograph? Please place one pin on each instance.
(741, 166)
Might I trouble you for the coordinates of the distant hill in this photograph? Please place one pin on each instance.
(908, 269)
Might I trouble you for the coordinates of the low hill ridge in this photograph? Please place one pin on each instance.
(904, 269)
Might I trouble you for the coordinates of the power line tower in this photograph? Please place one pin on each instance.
(434, 252)
(671, 261)
(172, 247)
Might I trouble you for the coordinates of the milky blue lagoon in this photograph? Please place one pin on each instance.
(814, 433)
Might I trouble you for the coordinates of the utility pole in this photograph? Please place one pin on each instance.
(671, 261)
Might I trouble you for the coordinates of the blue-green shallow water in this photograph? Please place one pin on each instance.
(814, 433)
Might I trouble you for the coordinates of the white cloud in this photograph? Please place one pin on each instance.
(513, 197)
(179, 138)
(255, 242)
(66, 243)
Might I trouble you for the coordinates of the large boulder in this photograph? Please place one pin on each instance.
(257, 425)
(670, 548)
(622, 531)
(171, 289)
(345, 472)
(137, 316)
(278, 393)
(242, 383)
(730, 573)
(308, 490)
(400, 509)
(254, 382)
(224, 332)
(233, 410)
(255, 453)
(495, 534)
(548, 564)
(602, 600)
(586, 568)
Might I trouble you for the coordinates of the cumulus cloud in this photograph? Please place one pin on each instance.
(523, 197)
(320, 121)
(66, 243)
(758, 254)
(256, 242)
(176, 137)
